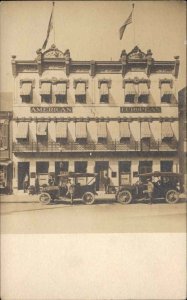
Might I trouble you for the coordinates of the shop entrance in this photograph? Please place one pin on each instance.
(61, 167)
(101, 168)
(42, 170)
(124, 172)
(23, 174)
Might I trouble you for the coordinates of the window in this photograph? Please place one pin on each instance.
(42, 132)
(124, 172)
(81, 166)
(61, 132)
(130, 92)
(102, 132)
(22, 135)
(26, 91)
(145, 167)
(80, 92)
(167, 131)
(125, 133)
(61, 92)
(143, 93)
(166, 90)
(104, 92)
(45, 92)
(166, 166)
(81, 132)
(3, 135)
(42, 167)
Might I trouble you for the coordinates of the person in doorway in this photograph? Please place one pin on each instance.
(150, 188)
(106, 183)
(51, 180)
(26, 183)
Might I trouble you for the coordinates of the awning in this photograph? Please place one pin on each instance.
(26, 89)
(45, 88)
(80, 89)
(5, 163)
(145, 130)
(22, 130)
(102, 130)
(124, 130)
(167, 131)
(130, 89)
(60, 89)
(41, 128)
(143, 89)
(81, 130)
(104, 89)
(61, 130)
(166, 89)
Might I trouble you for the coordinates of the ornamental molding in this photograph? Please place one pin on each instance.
(136, 54)
(53, 53)
(80, 80)
(136, 80)
(28, 80)
(104, 80)
(166, 80)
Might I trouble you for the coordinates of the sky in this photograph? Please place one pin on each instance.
(90, 29)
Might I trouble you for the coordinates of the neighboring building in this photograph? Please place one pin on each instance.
(116, 117)
(182, 134)
(5, 143)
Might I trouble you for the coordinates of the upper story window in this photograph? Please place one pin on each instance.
(61, 92)
(3, 135)
(26, 86)
(45, 92)
(102, 132)
(166, 90)
(22, 135)
(136, 90)
(81, 132)
(125, 133)
(61, 132)
(42, 132)
(80, 90)
(167, 132)
(104, 86)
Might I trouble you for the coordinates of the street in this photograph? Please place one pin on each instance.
(105, 216)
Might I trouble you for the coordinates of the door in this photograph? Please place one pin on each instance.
(42, 170)
(23, 171)
(101, 168)
(124, 172)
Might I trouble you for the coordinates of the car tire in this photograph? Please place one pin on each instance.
(88, 198)
(45, 198)
(172, 196)
(124, 197)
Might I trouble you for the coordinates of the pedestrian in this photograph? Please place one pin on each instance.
(69, 190)
(51, 180)
(26, 183)
(150, 188)
(106, 183)
(37, 185)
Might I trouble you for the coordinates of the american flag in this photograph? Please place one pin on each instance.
(127, 22)
(50, 27)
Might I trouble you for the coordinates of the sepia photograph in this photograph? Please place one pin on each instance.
(92, 143)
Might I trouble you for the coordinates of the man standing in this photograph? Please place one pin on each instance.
(150, 188)
(106, 183)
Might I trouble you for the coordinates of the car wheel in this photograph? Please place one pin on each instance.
(124, 197)
(88, 198)
(172, 196)
(45, 198)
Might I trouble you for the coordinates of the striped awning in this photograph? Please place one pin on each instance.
(143, 89)
(104, 89)
(61, 130)
(130, 89)
(80, 89)
(124, 130)
(22, 130)
(102, 130)
(26, 89)
(166, 89)
(167, 131)
(41, 128)
(45, 88)
(60, 89)
(81, 130)
(145, 130)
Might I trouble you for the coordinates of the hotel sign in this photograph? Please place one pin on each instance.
(140, 109)
(52, 109)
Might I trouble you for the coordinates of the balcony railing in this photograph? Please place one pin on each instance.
(89, 147)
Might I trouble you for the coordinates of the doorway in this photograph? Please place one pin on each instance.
(101, 168)
(124, 172)
(42, 170)
(23, 171)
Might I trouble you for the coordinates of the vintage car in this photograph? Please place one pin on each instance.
(167, 186)
(82, 187)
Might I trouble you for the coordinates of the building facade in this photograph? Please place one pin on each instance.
(110, 117)
(5, 152)
(182, 135)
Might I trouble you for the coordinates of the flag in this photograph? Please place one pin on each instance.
(50, 27)
(127, 22)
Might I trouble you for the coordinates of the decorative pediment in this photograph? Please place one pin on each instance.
(54, 52)
(136, 53)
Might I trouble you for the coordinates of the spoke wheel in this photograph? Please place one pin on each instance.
(88, 198)
(45, 198)
(124, 197)
(172, 196)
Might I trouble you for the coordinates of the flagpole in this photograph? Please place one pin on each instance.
(54, 22)
(134, 39)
